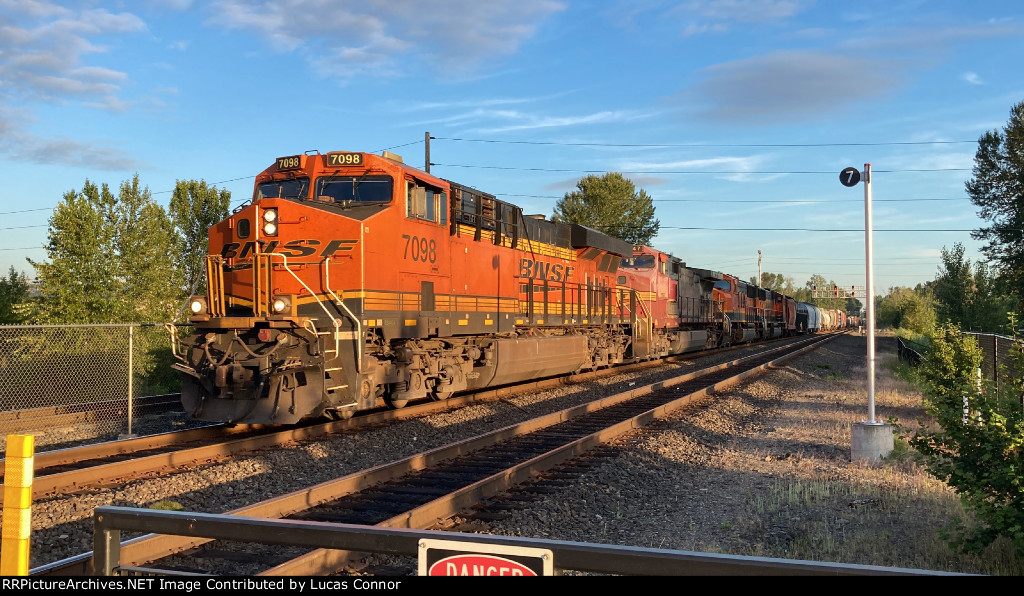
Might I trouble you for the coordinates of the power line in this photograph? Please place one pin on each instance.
(800, 201)
(672, 145)
(712, 172)
(26, 211)
(26, 227)
(861, 230)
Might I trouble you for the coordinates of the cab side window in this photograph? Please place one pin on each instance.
(423, 202)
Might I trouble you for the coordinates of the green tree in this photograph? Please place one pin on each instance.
(78, 283)
(824, 297)
(13, 291)
(610, 204)
(110, 259)
(978, 449)
(903, 308)
(967, 296)
(997, 187)
(195, 206)
(772, 281)
(145, 246)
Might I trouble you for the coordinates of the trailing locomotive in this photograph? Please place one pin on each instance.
(353, 279)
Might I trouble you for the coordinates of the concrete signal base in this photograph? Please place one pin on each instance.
(870, 441)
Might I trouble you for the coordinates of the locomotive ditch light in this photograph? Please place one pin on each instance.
(197, 304)
(283, 305)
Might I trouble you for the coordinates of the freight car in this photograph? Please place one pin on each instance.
(808, 318)
(352, 279)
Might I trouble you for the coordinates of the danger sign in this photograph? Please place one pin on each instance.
(471, 559)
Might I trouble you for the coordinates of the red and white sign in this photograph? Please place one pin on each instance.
(472, 559)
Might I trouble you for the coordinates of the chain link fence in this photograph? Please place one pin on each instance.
(92, 374)
(997, 365)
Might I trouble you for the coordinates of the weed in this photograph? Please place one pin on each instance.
(166, 505)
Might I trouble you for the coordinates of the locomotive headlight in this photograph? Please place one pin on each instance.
(270, 222)
(280, 305)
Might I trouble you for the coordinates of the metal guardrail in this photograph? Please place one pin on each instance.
(909, 352)
(110, 521)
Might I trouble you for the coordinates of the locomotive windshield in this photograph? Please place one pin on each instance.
(295, 188)
(357, 189)
(641, 262)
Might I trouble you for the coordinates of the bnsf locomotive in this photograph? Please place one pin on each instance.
(353, 278)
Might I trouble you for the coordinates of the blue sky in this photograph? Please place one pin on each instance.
(736, 116)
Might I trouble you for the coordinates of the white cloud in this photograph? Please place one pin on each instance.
(973, 78)
(345, 39)
(745, 11)
(43, 51)
(789, 86)
(42, 48)
(18, 144)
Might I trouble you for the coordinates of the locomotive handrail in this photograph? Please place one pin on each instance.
(284, 258)
(355, 320)
(215, 283)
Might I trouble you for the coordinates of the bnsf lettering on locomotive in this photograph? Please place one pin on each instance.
(549, 271)
(420, 249)
(335, 245)
(299, 248)
(294, 248)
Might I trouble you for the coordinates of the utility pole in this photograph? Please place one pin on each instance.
(426, 147)
(759, 280)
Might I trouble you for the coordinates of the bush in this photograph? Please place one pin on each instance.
(977, 449)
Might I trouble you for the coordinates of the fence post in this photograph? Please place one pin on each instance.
(131, 379)
(995, 361)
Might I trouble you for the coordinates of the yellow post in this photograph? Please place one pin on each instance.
(17, 518)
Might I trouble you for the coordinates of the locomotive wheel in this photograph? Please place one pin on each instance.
(440, 395)
(345, 414)
(394, 404)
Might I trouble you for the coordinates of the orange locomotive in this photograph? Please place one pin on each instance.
(753, 313)
(353, 278)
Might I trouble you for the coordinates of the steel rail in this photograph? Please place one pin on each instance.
(121, 460)
(150, 548)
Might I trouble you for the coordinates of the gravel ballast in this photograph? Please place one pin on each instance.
(690, 482)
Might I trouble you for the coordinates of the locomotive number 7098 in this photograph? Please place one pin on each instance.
(420, 249)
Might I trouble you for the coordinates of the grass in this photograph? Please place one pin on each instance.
(833, 520)
(831, 373)
(889, 513)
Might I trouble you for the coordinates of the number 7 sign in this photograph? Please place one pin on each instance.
(849, 176)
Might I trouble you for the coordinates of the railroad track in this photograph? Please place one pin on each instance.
(417, 491)
(67, 471)
(16, 421)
